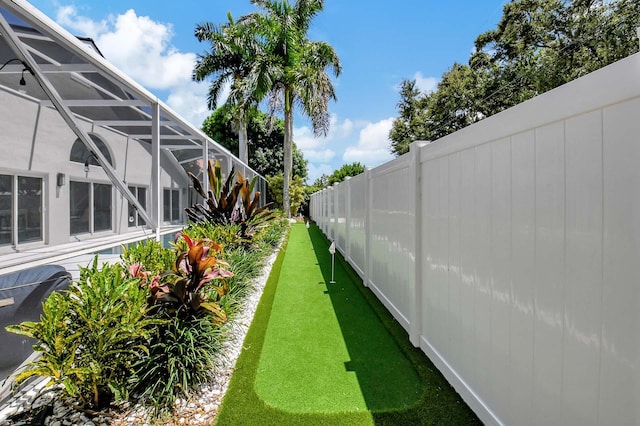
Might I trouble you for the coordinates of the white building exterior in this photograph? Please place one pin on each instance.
(88, 157)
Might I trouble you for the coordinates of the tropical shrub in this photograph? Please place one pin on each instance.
(188, 298)
(228, 203)
(180, 358)
(296, 191)
(150, 253)
(91, 335)
(147, 329)
(272, 235)
(196, 282)
(226, 236)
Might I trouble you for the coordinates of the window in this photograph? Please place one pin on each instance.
(6, 209)
(29, 209)
(90, 207)
(171, 205)
(101, 207)
(80, 153)
(141, 195)
(79, 206)
(20, 209)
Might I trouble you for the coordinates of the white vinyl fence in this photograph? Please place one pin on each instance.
(510, 252)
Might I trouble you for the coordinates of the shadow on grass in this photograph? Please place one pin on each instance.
(429, 399)
(241, 404)
(399, 383)
(386, 377)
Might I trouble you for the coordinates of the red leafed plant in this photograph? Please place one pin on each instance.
(197, 282)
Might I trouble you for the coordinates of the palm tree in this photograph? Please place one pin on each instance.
(294, 68)
(229, 60)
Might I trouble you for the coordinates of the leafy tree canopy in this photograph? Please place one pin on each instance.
(538, 45)
(265, 140)
(297, 192)
(343, 172)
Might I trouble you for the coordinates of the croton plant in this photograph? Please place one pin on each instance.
(196, 283)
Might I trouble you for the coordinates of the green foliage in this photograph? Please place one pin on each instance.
(265, 136)
(195, 285)
(140, 332)
(296, 191)
(230, 58)
(150, 253)
(538, 45)
(229, 205)
(91, 335)
(411, 124)
(551, 42)
(321, 182)
(226, 236)
(295, 71)
(272, 235)
(179, 359)
(345, 171)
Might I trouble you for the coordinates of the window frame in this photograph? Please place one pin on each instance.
(138, 221)
(88, 157)
(91, 202)
(167, 205)
(14, 239)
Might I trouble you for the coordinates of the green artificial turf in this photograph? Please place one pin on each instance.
(322, 353)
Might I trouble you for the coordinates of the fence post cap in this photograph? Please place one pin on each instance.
(417, 145)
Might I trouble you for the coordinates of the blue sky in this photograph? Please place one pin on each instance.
(379, 43)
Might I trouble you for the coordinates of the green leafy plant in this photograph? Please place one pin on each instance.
(180, 358)
(189, 299)
(229, 203)
(90, 336)
(197, 282)
(225, 235)
(150, 253)
(296, 191)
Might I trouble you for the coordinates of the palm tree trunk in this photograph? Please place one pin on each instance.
(243, 143)
(288, 148)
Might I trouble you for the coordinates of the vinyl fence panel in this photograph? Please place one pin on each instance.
(510, 249)
(357, 219)
(392, 238)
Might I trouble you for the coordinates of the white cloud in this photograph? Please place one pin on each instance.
(306, 141)
(142, 49)
(317, 151)
(315, 171)
(190, 101)
(425, 84)
(340, 130)
(319, 156)
(373, 144)
(68, 17)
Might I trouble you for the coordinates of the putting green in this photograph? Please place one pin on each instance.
(325, 350)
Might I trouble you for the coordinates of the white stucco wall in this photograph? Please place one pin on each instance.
(35, 141)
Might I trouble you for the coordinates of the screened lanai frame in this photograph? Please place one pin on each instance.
(69, 74)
